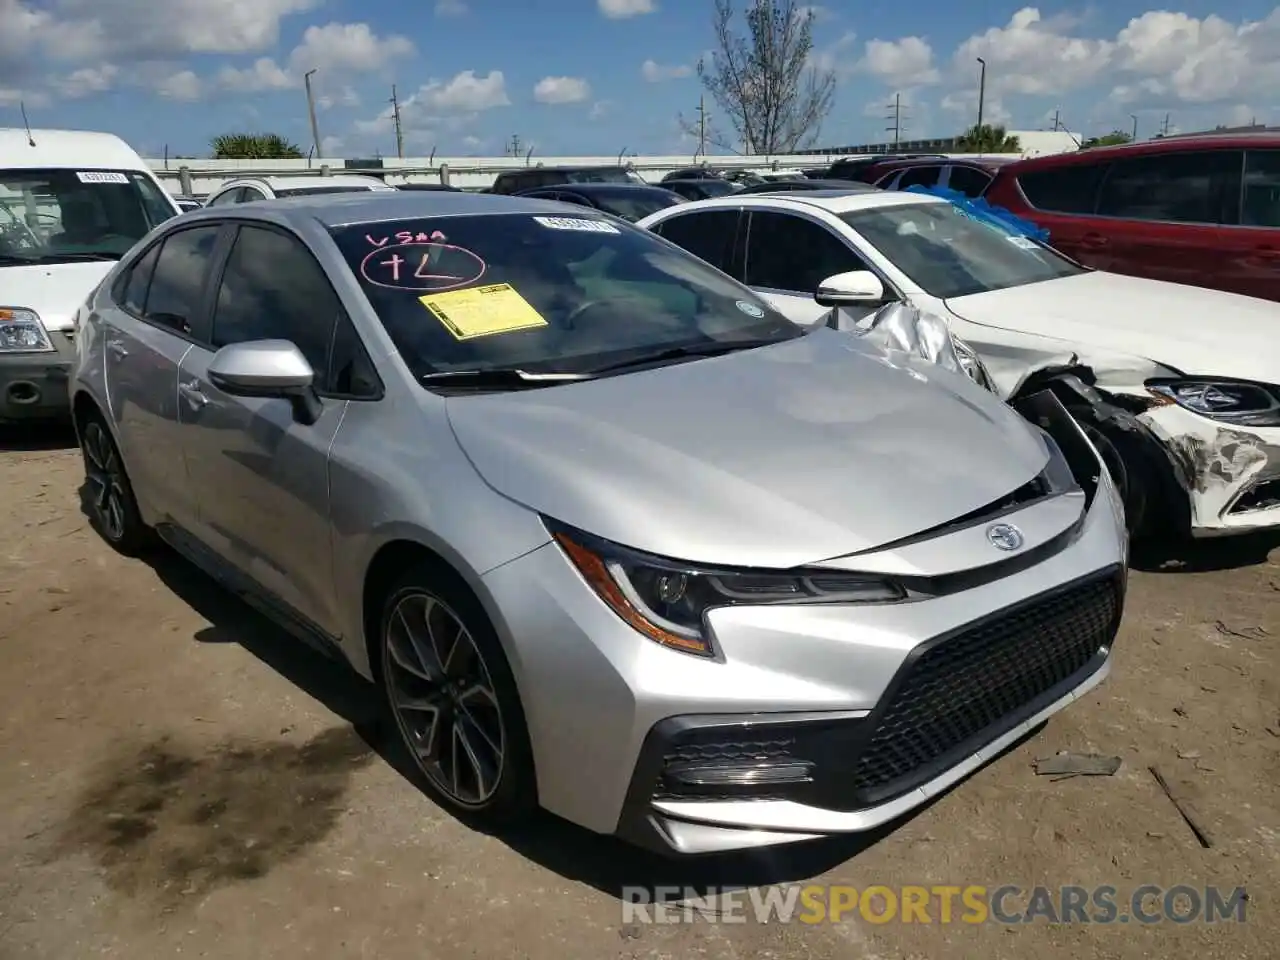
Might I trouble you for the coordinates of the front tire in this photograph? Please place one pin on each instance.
(110, 503)
(453, 700)
(1139, 470)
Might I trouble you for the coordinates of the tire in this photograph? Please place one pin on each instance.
(108, 494)
(1139, 472)
(466, 687)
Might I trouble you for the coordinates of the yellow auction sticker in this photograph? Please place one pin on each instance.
(483, 311)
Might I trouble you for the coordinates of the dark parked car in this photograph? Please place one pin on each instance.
(531, 178)
(706, 188)
(626, 200)
(1203, 210)
(427, 186)
(694, 173)
(970, 177)
(789, 186)
(854, 168)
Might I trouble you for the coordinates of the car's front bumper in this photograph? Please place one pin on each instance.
(34, 386)
(608, 711)
(1231, 474)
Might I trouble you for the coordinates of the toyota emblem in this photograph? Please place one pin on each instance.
(1005, 536)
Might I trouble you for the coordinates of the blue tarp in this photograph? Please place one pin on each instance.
(979, 209)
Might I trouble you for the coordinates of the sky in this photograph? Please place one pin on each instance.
(599, 77)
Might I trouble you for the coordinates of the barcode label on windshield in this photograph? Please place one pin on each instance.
(575, 223)
(1026, 243)
(101, 176)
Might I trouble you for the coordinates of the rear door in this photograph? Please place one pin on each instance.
(1252, 247)
(1165, 216)
(260, 476)
(157, 304)
(711, 235)
(789, 255)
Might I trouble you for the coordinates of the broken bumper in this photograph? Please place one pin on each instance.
(1231, 474)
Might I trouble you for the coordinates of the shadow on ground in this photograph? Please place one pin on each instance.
(35, 437)
(605, 863)
(1204, 556)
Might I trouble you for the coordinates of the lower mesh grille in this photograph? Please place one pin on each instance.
(962, 686)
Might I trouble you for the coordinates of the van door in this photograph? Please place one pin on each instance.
(1252, 247)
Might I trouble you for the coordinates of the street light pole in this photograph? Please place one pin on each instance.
(982, 92)
(311, 112)
(1134, 117)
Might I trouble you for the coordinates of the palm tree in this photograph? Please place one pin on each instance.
(1112, 139)
(253, 146)
(987, 139)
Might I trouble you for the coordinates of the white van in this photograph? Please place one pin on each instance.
(71, 204)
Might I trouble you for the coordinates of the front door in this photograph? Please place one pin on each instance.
(147, 333)
(260, 476)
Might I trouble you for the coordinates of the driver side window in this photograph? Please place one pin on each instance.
(791, 253)
(230, 196)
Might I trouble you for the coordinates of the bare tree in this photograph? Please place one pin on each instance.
(767, 89)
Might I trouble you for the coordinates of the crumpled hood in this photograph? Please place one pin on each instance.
(775, 457)
(54, 291)
(1192, 329)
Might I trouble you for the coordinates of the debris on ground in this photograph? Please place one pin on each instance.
(1185, 809)
(1065, 765)
(1246, 633)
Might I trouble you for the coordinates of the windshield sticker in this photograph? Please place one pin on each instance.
(425, 267)
(408, 236)
(750, 309)
(576, 223)
(1026, 243)
(483, 311)
(100, 176)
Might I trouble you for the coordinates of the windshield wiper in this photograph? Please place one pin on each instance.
(687, 352)
(504, 377)
(74, 257)
(9, 260)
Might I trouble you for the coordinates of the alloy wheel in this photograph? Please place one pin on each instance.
(105, 477)
(443, 698)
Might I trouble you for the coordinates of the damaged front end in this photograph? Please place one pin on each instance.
(904, 328)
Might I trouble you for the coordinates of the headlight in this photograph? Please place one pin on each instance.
(667, 601)
(973, 366)
(22, 332)
(1248, 404)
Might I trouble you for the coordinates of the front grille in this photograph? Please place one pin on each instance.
(954, 695)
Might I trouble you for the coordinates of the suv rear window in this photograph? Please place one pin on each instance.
(1192, 187)
(1070, 188)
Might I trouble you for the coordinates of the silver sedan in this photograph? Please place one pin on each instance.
(612, 535)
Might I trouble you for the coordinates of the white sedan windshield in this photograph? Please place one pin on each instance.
(950, 254)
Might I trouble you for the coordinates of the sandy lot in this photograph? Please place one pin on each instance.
(177, 778)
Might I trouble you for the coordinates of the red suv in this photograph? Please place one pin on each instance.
(1203, 210)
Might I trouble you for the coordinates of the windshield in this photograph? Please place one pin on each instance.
(312, 191)
(635, 205)
(59, 216)
(544, 294)
(716, 187)
(950, 254)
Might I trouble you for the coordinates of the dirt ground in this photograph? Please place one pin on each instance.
(177, 778)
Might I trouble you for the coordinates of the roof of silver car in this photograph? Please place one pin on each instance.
(341, 209)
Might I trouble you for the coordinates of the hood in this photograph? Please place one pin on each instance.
(1192, 329)
(54, 291)
(784, 455)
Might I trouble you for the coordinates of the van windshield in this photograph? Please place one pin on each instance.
(61, 216)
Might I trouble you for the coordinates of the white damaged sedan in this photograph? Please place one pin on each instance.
(1177, 386)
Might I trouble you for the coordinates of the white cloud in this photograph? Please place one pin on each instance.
(901, 63)
(89, 80)
(622, 9)
(347, 46)
(330, 146)
(262, 75)
(655, 72)
(1030, 55)
(835, 57)
(450, 8)
(183, 85)
(465, 93)
(346, 98)
(964, 104)
(600, 109)
(557, 90)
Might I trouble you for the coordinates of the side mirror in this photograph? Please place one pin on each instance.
(855, 287)
(267, 369)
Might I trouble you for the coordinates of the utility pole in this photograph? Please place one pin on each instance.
(395, 113)
(896, 117)
(982, 92)
(515, 145)
(1134, 136)
(1056, 115)
(311, 111)
(702, 125)
(1164, 127)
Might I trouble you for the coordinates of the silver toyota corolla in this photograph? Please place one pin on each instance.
(613, 536)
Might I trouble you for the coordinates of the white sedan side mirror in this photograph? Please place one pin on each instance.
(855, 287)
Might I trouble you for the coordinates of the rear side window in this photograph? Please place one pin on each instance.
(134, 294)
(1201, 187)
(919, 177)
(969, 181)
(177, 284)
(708, 236)
(1071, 188)
(1261, 206)
(231, 196)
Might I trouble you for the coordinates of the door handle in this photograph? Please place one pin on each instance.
(191, 393)
(1266, 253)
(117, 348)
(1093, 241)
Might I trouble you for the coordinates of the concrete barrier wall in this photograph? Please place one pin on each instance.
(200, 177)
